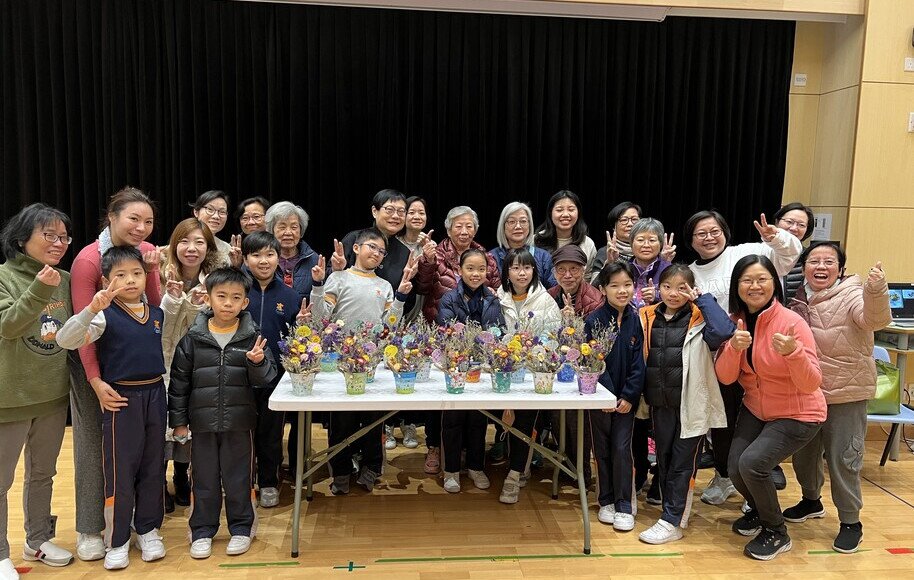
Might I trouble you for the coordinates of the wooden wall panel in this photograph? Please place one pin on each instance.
(801, 147)
(888, 41)
(834, 148)
(879, 234)
(842, 54)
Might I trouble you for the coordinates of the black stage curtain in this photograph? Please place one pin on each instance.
(324, 106)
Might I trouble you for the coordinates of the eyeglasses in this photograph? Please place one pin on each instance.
(518, 269)
(211, 211)
(376, 249)
(826, 263)
(572, 270)
(391, 210)
(627, 220)
(54, 238)
(252, 218)
(761, 281)
(794, 224)
(513, 223)
(715, 233)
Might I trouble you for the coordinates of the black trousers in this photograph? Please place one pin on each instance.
(640, 432)
(345, 423)
(676, 464)
(722, 438)
(612, 449)
(268, 440)
(222, 461)
(525, 421)
(459, 430)
(433, 429)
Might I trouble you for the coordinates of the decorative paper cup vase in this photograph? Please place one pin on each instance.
(565, 374)
(405, 382)
(587, 382)
(474, 373)
(455, 382)
(302, 383)
(355, 383)
(425, 370)
(542, 383)
(370, 374)
(501, 382)
(517, 377)
(329, 362)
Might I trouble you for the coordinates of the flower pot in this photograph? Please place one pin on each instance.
(517, 377)
(587, 382)
(423, 374)
(369, 376)
(565, 374)
(501, 382)
(329, 362)
(474, 373)
(302, 383)
(542, 383)
(405, 382)
(455, 382)
(355, 383)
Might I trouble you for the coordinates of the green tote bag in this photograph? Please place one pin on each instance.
(887, 400)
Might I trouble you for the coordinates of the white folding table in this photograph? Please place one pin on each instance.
(329, 394)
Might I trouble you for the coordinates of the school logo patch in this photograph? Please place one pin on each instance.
(280, 308)
(157, 326)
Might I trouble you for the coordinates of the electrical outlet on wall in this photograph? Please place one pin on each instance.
(799, 80)
(911, 122)
(909, 64)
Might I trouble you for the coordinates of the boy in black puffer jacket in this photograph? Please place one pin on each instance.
(213, 373)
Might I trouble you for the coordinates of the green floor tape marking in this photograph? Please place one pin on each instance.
(523, 557)
(259, 564)
(827, 552)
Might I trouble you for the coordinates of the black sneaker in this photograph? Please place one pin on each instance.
(705, 459)
(778, 477)
(807, 508)
(768, 544)
(848, 539)
(749, 524)
(653, 494)
(498, 452)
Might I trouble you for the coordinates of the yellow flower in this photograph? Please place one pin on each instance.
(390, 351)
(586, 350)
(392, 319)
(569, 330)
(295, 360)
(303, 331)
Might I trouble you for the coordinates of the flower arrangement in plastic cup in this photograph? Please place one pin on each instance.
(403, 354)
(569, 336)
(544, 360)
(331, 336)
(359, 353)
(504, 354)
(455, 346)
(380, 335)
(300, 354)
(589, 358)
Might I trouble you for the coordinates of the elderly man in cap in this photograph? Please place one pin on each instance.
(573, 294)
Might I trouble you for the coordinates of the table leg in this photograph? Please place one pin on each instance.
(556, 472)
(901, 360)
(299, 470)
(582, 486)
(310, 493)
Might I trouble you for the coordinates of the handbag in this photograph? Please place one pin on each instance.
(887, 400)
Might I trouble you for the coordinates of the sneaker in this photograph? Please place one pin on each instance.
(433, 460)
(748, 524)
(202, 548)
(238, 545)
(90, 547)
(451, 482)
(367, 478)
(806, 509)
(653, 494)
(745, 507)
(7, 570)
(479, 478)
(498, 452)
(510, 490)
(768, 544)
(169, 502)
(661, 533)
(778, 477)
(151, 545)
(705, 459)
(340, 485)
(390, 442)
(118, 558)
(524, 478)
(848, 539)
(269, 497)
(49, 553)
(623, 522)
(607, 514)
(718, 491)
(537, 460)
(410, 441)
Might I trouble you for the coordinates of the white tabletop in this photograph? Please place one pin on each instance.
(329, 394)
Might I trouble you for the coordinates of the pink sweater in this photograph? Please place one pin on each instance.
(85, 281)
(778, 387)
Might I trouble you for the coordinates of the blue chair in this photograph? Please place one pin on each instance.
(905, 417)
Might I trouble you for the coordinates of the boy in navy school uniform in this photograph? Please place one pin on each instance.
(216, 366)
(275, 307)
(128, 333)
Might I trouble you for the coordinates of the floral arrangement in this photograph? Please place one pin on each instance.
(361, 349)
(504, 353)
(331, 334)
(406, 348)
(301, 350)
(571, 334)
(589, 355)
(544, 356)
(454, 347)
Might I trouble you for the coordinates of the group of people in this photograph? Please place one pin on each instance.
(764, 349)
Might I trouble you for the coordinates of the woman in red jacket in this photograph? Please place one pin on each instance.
(773, 356)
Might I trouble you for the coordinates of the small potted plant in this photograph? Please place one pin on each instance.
(357, 356)
(589, 359)
(452, 355)
(331, 334)
(570, 335)
(544, 360)
(403, 354)
(300, 354)
(504, 355)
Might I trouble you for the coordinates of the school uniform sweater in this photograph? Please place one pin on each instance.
(624, 374)
(355, 296)
(273, 309)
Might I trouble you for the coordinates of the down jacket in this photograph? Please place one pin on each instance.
(211, 389)
(435, 280)
(454, 308)
(842, 320)
(546, 316)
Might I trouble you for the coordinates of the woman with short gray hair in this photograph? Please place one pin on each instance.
(288, 222)
(515, 230)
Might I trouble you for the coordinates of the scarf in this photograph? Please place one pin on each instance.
(475, 302)
(625, 249)
(104, 241)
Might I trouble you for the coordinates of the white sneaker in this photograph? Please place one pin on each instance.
(607, 514)
(49, 553)
(238, 545)
(390, 442)
(409, 436)
(510, 490)
(7, 570)
(269, 497)
(118, 558)
(524, 478)
(480, 480)
(718, 491)
(623, 522)
(151, 545)
(90, 547)
(451, 482)
(745, 509)
(202, 548)
(661, 533)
